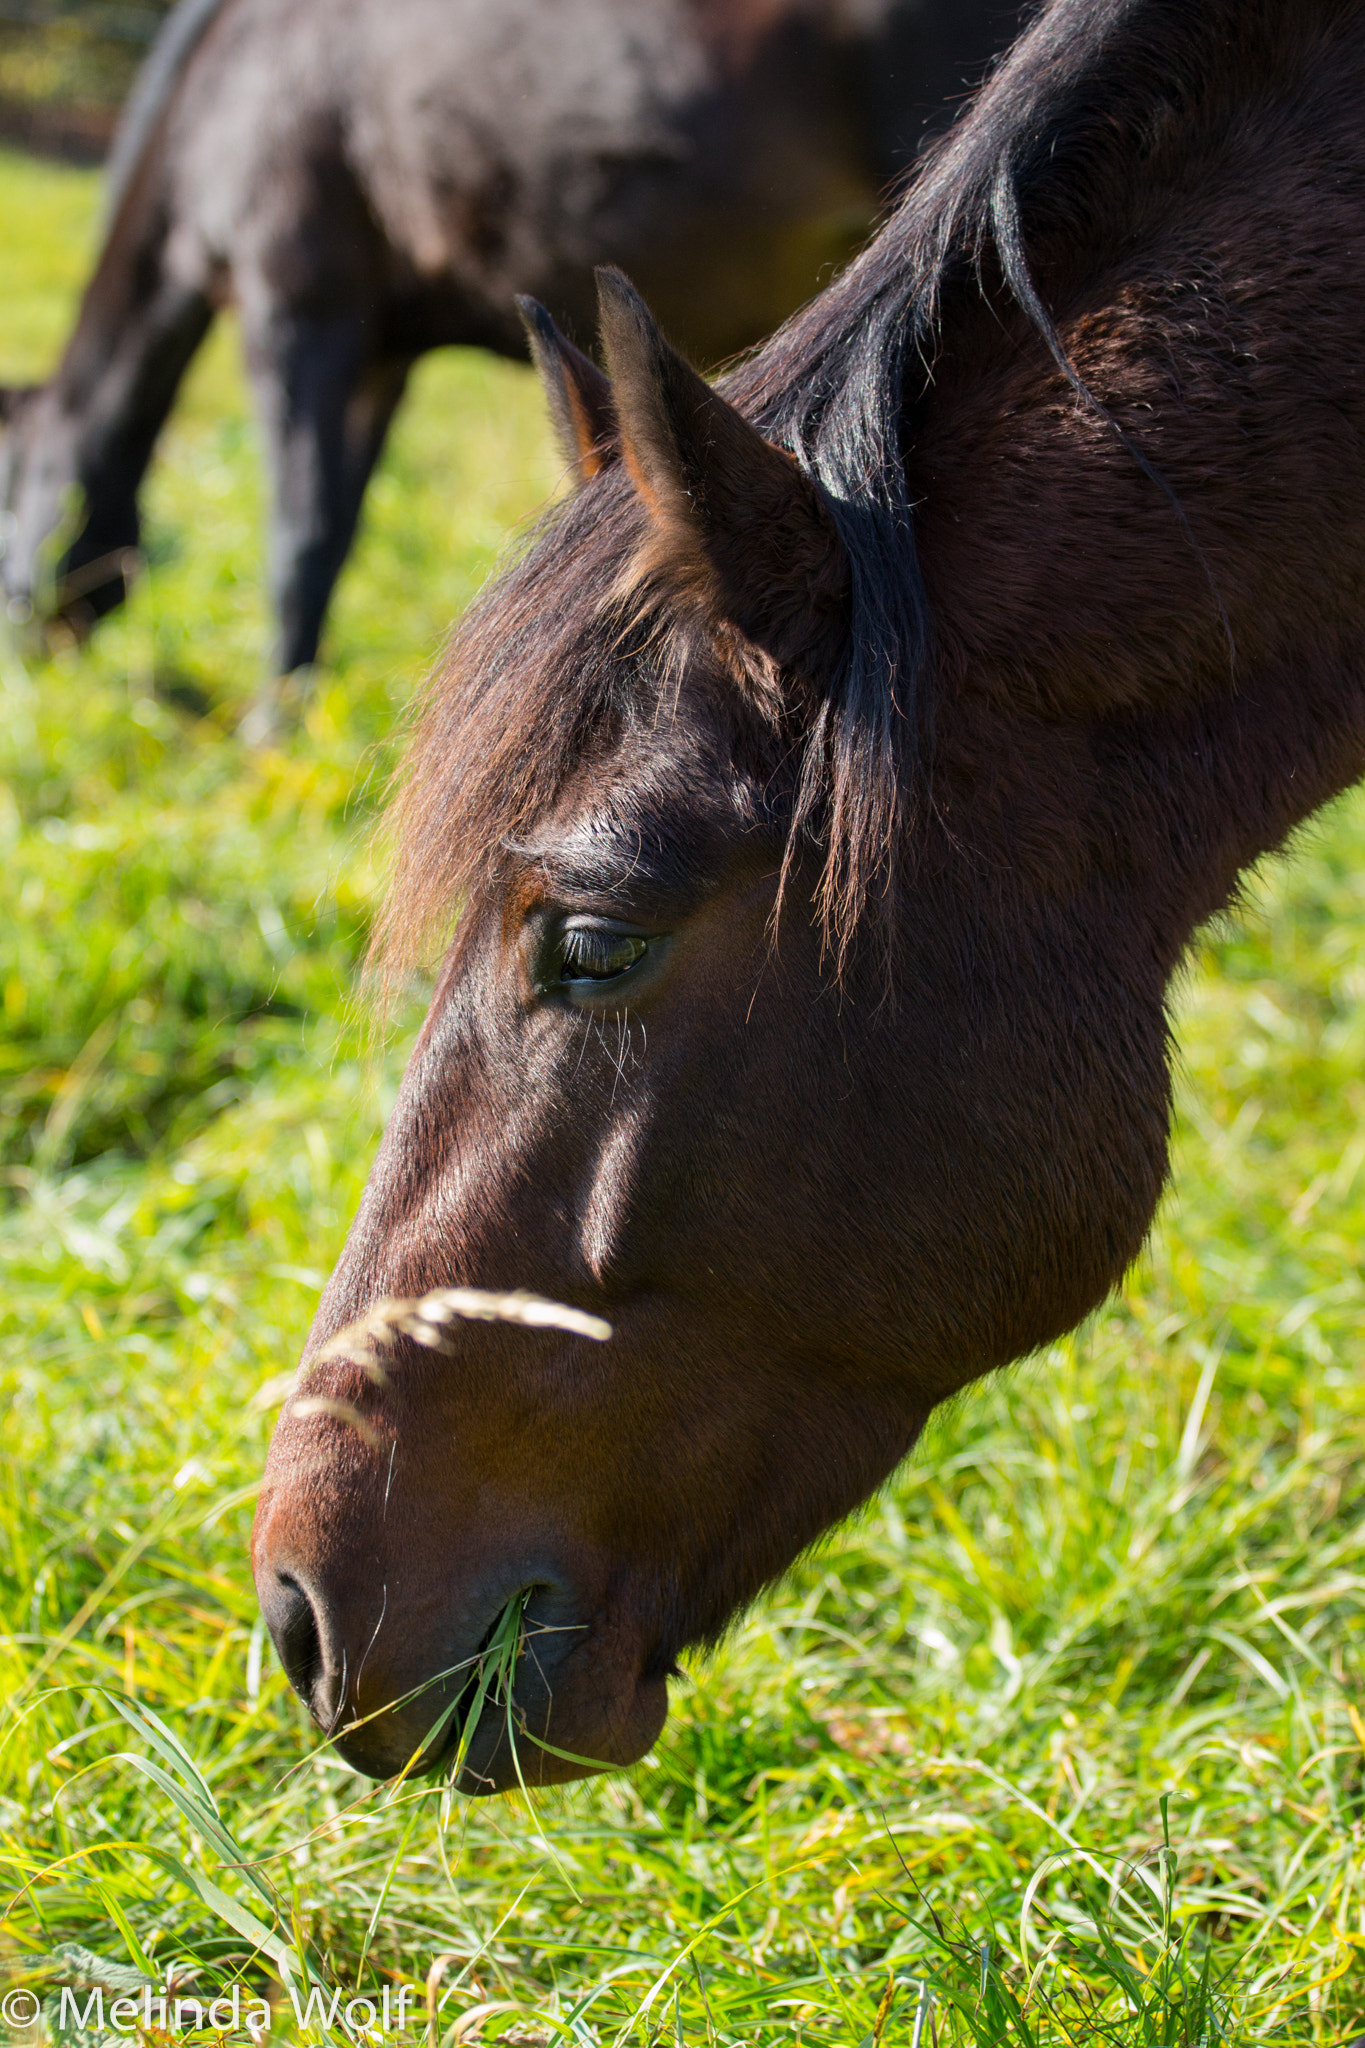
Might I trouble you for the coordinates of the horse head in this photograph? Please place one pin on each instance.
(60, 557)
(695, 1070)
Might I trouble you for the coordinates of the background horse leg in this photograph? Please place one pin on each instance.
(325, 403)
(125, 413)
(76, 452)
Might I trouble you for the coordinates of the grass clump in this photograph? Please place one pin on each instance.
(1060, 1741)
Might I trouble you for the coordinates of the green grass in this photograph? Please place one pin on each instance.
(1131, 1572)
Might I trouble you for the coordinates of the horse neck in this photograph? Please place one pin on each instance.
(1146, 587)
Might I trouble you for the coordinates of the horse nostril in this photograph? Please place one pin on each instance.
(294, 1627)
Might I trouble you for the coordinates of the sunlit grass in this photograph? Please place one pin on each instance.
(922, 1785)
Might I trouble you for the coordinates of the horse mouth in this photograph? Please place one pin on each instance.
(479, 1738)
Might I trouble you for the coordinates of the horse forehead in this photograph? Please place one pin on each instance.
(654, 834)
(669, 777)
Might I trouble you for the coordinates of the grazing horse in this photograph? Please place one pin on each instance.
(828, 796)
(373, 180)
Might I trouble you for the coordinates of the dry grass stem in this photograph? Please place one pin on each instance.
(340, 1411)
(428, 1320)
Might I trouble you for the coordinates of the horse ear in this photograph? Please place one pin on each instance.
(579, 396)
(728, 508)
(12, 397)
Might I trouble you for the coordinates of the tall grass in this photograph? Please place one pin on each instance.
(1060, 1741)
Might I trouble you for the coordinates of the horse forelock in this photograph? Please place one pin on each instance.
(537, 672)
(547, 658)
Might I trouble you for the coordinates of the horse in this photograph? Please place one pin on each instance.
(371, 182)
(821, 805)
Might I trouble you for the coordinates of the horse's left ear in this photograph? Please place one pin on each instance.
(578, 395)
(728, 509)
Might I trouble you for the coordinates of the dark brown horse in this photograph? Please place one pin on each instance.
(828, 798)
(369, 180)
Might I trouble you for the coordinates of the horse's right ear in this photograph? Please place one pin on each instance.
(729, 512)
(579, 396)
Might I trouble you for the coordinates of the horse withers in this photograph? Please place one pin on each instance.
(368, 182)
(828, 797)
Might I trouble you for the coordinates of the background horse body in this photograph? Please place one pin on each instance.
(825, 834)
(371, 181)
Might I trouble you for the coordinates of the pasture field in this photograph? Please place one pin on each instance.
(1062, 1741)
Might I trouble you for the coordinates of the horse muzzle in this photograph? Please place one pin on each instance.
(511, 1689)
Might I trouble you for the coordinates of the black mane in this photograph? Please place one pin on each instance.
(177, 39)
(1051, 143)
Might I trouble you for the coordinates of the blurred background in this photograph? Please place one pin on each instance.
(65, 69)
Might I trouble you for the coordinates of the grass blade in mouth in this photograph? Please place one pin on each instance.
(491, 1678)
(495, 1678)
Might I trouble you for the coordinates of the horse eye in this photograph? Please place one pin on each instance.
(592, 953)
